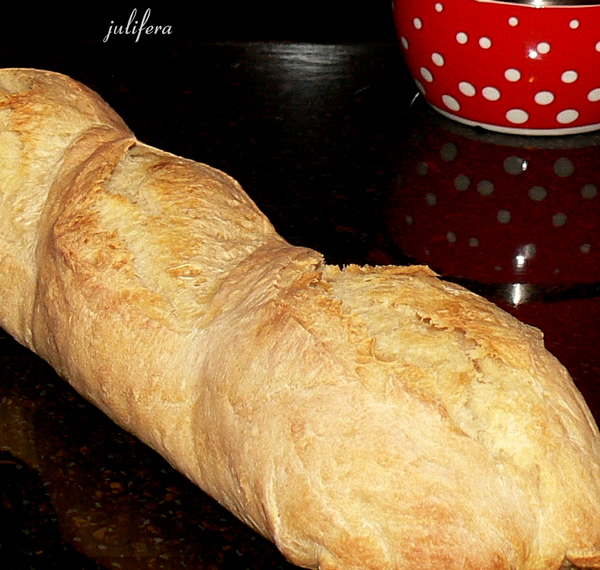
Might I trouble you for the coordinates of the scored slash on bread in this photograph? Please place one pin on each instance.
(360, 418)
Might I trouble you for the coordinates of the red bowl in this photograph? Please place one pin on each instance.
(505, 66)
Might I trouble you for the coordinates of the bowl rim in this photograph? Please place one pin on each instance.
(540, 132)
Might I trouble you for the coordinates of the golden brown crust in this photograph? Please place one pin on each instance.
(364, 418)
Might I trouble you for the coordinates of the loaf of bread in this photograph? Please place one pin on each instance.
(360, 418)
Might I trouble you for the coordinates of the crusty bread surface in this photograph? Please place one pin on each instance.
(361, 418)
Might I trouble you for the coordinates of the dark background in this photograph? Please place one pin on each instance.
(217, 90)
(308, 21)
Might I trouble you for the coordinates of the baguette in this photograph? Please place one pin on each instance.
(360, 418)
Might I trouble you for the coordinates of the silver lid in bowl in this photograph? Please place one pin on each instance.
(542, 3)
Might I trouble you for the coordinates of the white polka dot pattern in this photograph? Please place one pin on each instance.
(512, 75)
(567, 116)
(491, 93)
(438, 59)
(491, 74)
(451, 102)
(517, 116)
(467, 89)
(594, 95)
(569, 76)
(462, 38)
(426, 74)
(543, 48)
(544, 97)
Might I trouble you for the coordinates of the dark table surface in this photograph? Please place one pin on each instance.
(326, 134)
